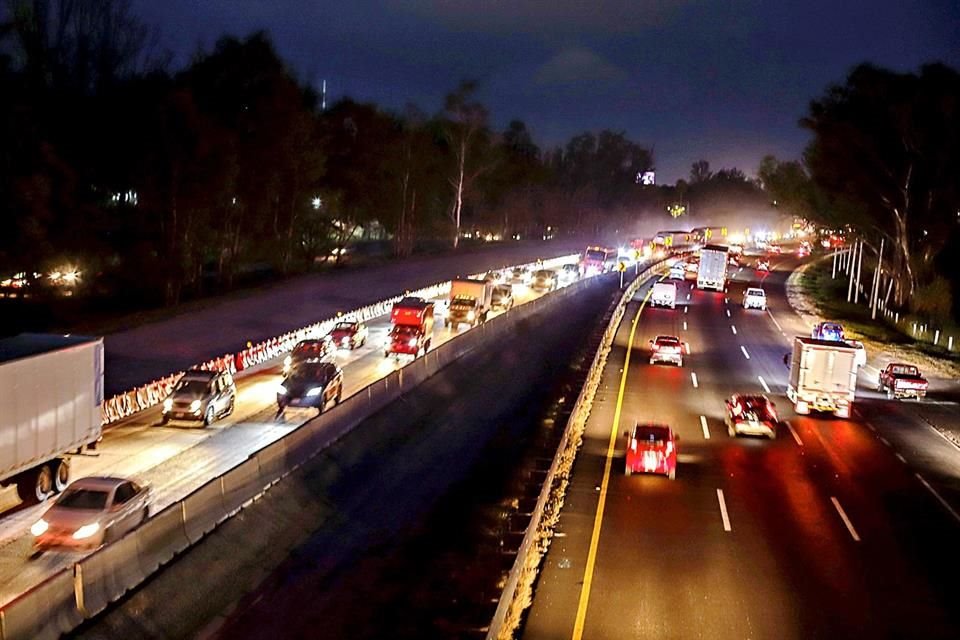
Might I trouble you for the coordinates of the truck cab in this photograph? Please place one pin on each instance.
(412, 328)
(470, 302)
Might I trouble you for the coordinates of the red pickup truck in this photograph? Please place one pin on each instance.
(902, 381)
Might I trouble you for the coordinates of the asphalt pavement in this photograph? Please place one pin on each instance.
(836, 529)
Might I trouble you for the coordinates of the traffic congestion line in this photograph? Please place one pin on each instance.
(723, 511)
(796, 437)
(684, 325)
(936, 494)
(693, 378)
(846, 520)
(734, 329)
(745, 354)
(706, 429)
(728, 313)
(605, 483)
(779, 328)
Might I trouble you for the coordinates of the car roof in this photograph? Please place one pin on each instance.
(98, 483)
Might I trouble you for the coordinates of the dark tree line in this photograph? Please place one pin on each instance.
(884, 160)
(163, 183)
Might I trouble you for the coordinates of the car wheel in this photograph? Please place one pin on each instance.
(386, 354)
(651, 360)
(627, 471)
(164, 419)
(231, 406)
(61, 476)
(145, 515)
(773, 434)
(891, 394)
(36, 485)
(673, 474)
(731, 432)
(209, 416)
(339, 396)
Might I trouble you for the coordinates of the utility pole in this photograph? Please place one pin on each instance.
(323, 98)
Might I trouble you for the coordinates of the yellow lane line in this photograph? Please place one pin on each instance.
(598, 519)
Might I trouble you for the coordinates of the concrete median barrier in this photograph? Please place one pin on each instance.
(161, 538)
(202, 510)
(46, 612)
(272, 461)
(241, 484)
(107, 574)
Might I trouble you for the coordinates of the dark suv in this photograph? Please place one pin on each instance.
(310, 384)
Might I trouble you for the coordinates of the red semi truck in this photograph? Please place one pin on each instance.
(412, 328)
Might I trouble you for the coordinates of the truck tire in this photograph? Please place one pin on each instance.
(891, 394)
(61, 476)
(209, 416)
(35, 485)
(627, 471)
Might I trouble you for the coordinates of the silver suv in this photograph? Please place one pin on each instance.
(201, 395)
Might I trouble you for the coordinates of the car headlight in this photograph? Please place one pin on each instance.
(314, 391)
(412, 342)
(471, 315)
(195, 405)
(86, 531)
(168, 404)
(281, 390)
(39, 527)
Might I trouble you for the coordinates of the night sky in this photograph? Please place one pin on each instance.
(724, 81)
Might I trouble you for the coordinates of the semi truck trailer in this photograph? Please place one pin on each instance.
(51, 390)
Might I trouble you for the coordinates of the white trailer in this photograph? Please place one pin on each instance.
(712, 273)
(51, 389)
(823, 376)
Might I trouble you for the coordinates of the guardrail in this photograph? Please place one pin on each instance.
(141, 398)
(518, 589)
(63, 601)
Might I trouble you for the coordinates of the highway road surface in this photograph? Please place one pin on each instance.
(836, 529)
(176, 459)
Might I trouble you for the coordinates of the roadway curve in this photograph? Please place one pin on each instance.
(175, 460)
(839, 528)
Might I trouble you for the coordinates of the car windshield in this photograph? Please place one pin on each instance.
(755, 292)
(191, 387)
(316, 371)
(83, 499)
(543, 275)
(650, 434)
(345, 326)
(403, 331)
(310, 348)
(596, 256)
(670, 342)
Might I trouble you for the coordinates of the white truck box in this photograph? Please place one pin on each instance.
(712, 273)
(823, 376)
(51, 389)
(470, 301)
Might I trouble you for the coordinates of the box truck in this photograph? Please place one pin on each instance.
(712, 273)
(51, 389)
(823, 376)
(470, 302)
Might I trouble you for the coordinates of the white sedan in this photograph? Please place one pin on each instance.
(91, 512)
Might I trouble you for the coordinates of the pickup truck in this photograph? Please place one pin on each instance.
(902, 381)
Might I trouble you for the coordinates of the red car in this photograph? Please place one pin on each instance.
(901, 380)
(348, 334)
(652, 448)
(754, 415)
